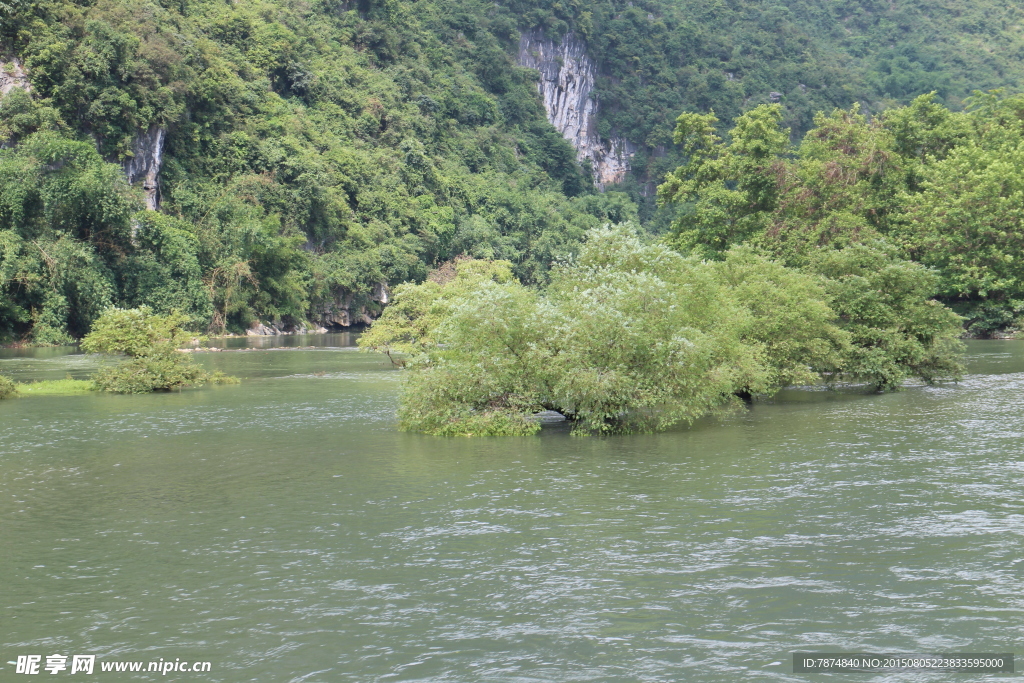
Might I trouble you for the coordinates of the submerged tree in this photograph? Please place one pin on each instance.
(635, 337)
(896, 329)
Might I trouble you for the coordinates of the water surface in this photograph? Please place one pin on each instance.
(285, 531)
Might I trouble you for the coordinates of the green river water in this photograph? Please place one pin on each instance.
(283, 530)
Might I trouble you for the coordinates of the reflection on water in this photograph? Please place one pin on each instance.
(283, 530)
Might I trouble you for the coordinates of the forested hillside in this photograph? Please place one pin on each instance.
(302, 157)
(940, 188)
(661, 57)
(312, 153)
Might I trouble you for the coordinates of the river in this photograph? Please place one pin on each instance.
(283, 530)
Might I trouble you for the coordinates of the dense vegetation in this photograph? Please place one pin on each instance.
(149, 345)
(660, 57)
(315, 150)
(312, 152)
(940, 188)
(630, 337)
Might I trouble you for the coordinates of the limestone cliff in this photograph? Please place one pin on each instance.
(147, 147)
(12, 75)
(350, 309)
(144, 165)
(567, 77)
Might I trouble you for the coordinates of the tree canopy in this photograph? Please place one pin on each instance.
(939, 188)
(629, 336)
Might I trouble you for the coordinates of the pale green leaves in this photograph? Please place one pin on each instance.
(636, 337)
(151, 344)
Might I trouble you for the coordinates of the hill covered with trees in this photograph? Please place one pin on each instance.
(289, 161)
(943, 189)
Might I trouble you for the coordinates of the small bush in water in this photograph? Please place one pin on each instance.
(7, 387)
(151, 344)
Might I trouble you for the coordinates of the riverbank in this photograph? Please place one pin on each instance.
(217, 349)
(228, 340)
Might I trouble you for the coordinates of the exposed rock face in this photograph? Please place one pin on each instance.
(278, 328)
(567, 77)
(347, 310)
(566, 81)
(612, 161)
(148, 150)
(261, 330)
(12, 75)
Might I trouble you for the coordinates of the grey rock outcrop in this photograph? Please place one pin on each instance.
(12, 75)
(278, 328)
(144, 165)
(351, 309)
(147, 147)
(567, 76)
(261, 330)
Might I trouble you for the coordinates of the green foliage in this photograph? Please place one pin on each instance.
(136, 333)
(163, 272)
(625, 338)
(643, 338)
(731, 186)
(408, 325)
(789, 318)
(219, 377)
(490, 390)
(827, 211)
(150, 373)
(634, 337)
(8, 387)
(965, 217)
(897, 331)
(151, 344)
(941, 188)
(61, 209)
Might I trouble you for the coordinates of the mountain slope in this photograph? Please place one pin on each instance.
(305, 155)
